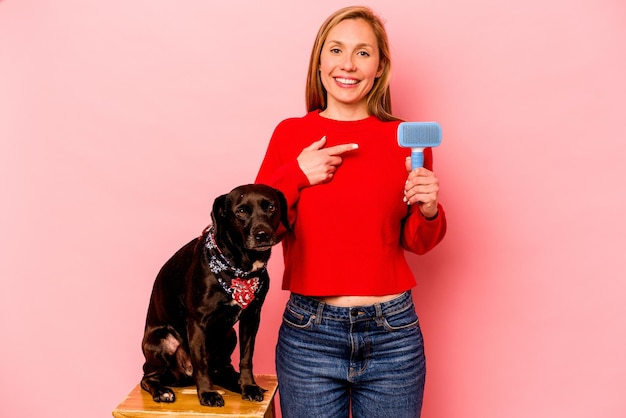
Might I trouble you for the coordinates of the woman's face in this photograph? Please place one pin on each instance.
(349, 65)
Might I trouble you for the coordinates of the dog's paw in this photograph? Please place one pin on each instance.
(211, 399)
(252, 393)
(164, 395)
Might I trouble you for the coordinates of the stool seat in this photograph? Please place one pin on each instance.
(139, 403)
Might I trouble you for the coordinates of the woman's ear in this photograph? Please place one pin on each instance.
(381, 68)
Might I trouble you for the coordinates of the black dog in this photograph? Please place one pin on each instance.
(203, 290)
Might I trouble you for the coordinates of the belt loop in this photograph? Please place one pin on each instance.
(320, 309)
(379, 314)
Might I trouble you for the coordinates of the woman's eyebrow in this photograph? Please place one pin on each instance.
(359, 45)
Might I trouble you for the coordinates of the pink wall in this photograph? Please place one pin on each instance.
(121, 121)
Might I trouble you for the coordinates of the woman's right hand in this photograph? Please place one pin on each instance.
(319, 164)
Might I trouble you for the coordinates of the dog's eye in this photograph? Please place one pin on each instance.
(242, 210)
(271, 208)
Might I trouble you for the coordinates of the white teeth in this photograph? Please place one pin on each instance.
(346, 81)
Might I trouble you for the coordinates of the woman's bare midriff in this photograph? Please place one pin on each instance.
(349, 301)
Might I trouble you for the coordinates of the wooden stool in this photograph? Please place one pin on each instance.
(139, 403)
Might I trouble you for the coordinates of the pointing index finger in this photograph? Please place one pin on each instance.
(340, 149)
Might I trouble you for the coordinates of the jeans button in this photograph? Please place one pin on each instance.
(354, 311)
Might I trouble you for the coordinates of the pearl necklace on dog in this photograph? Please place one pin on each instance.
(243, 288)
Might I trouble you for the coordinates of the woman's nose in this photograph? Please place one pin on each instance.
(348, 63)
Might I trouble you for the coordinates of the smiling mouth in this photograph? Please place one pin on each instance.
(348, 81)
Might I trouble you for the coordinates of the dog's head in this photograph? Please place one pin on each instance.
(249, 217)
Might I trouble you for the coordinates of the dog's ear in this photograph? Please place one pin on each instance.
(219, 209)
(284, 210)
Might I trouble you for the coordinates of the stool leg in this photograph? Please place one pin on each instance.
(271, 410)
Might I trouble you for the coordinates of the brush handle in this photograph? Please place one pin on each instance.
(417, 158)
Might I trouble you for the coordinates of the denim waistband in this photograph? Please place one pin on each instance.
(314, 306)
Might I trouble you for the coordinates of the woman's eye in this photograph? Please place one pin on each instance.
(364, 53)
(335, 50)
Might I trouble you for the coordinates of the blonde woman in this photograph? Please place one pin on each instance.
(350, 340)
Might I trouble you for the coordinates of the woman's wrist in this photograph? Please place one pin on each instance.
(431, 218)
(429, 211)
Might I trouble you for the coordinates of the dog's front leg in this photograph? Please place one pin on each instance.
(207, 395)
(248, 327)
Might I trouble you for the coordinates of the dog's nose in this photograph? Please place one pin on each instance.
(262, 236)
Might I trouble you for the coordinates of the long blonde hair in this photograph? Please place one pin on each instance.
(379, 97)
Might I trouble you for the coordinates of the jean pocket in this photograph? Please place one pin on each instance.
(401, 320)
(297, 318)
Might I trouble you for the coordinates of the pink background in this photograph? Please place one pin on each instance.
(121, 121)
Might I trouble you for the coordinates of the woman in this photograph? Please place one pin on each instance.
(350, 337)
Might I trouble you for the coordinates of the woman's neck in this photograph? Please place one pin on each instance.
(345, 113)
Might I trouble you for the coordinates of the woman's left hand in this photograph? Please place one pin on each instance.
(422, 188)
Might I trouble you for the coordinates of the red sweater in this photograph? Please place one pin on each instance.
(349, 235)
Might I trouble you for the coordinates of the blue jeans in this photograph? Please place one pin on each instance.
(369, 358)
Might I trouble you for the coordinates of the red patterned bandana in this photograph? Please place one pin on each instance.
(243, 291)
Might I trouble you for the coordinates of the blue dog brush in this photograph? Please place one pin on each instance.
(417, 136)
